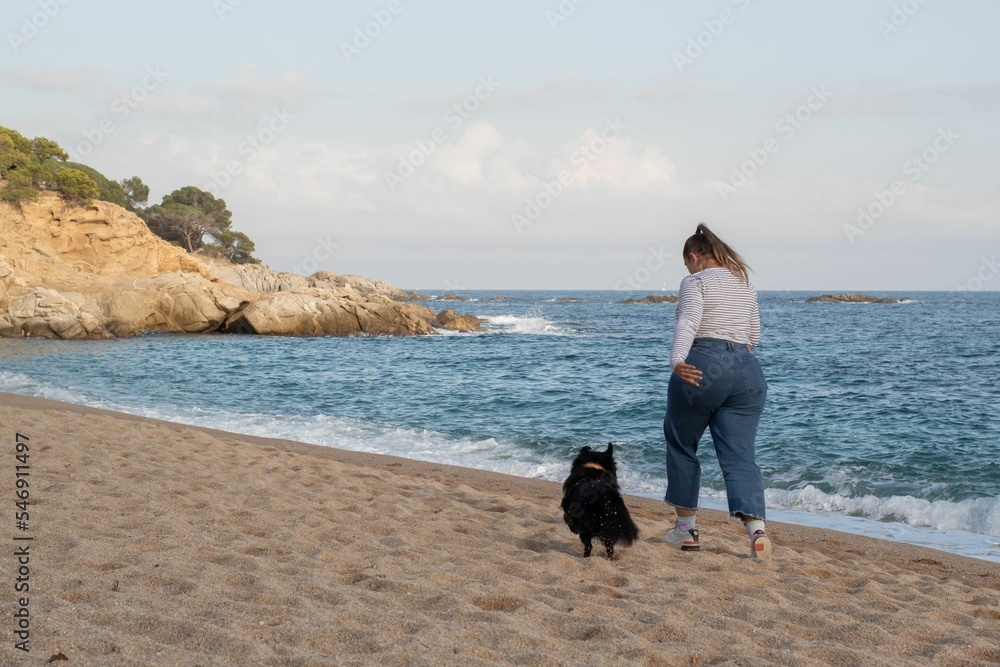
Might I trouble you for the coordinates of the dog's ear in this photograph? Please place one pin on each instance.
(610, 449)
(585, 448)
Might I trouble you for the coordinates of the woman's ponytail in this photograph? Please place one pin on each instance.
(705, 242)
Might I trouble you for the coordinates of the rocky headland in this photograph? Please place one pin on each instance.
(849, 298)
(96, 271)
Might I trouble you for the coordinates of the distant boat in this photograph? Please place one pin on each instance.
(664, 288)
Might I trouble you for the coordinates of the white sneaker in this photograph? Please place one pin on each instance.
(760, 546)
(685, 540)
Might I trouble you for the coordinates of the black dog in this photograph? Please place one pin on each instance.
(592, 503)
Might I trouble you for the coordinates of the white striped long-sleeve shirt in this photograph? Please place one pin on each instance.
(714, 303)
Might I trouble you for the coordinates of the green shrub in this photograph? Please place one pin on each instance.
(107, 190)
(233, 246)
(75, 184)
(19, 188)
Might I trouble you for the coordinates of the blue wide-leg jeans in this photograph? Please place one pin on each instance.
(729, 402)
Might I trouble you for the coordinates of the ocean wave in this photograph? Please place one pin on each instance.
(451, 332)
(515, 324)
(979, 515)
(17, 383)
(362, 435)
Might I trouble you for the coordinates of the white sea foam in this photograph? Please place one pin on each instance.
(953, 540)
(16, 383)
(981, 515)
(366, 436)
(515, 324)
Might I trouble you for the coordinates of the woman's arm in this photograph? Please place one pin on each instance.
(690, 307)
(755, 324)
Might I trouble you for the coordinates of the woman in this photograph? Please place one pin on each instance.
(717, 383)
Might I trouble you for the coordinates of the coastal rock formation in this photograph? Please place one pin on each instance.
(39, 311)
(97, 271)
(421, 312)
(449, 319)
(849, 298)
(363, 286)
(172, 302)
(259, 278)
(492, 299)
(451, 296)
(316, 314)
(653, 298)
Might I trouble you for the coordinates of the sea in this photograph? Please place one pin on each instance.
(881, 419)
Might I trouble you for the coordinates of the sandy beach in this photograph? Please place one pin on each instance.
(161, 544)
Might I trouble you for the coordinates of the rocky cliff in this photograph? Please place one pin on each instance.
(96, 271)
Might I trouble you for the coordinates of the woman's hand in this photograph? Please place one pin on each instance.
(688, 373)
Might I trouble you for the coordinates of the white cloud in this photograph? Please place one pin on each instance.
(614, 161)
(463, 160)
(481, 158)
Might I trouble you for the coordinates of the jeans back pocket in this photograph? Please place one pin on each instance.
(753, 375)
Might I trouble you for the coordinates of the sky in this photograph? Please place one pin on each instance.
(445, 145)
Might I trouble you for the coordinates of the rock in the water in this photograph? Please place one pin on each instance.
(491, 299)
(653, 298)
(421, 312)
(451, 296)
(849, 298)
(449, 319)
(568, 299)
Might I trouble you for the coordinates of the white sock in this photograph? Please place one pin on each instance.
(686, 523)
(754, 526)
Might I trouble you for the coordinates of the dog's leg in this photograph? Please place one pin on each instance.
(610, 547)
(587, 546)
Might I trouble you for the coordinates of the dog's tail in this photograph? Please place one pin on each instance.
(618, 525)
